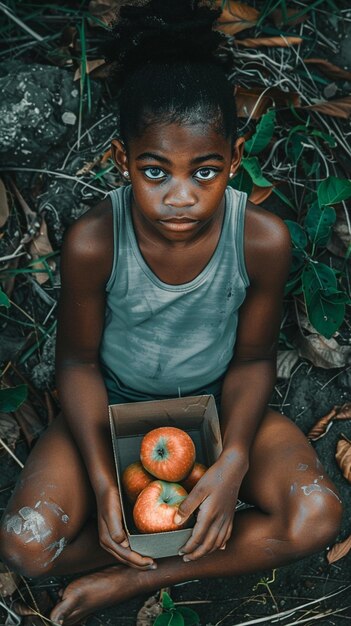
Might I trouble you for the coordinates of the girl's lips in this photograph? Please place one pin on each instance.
(178, 225)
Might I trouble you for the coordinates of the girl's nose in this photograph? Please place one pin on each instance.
(180, 195)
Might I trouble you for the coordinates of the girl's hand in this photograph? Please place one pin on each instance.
(215, 496)
(112, 535)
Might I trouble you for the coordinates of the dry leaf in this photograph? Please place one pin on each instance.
(286, 360)
(322, 425)
(9, 429)
(279, 20)
(328, 69)
(271, 42)
(8, 581)
(343, 456)
(104, 10)
(260, 194)
(89, 67)
(41, 246)
(253, 102)
(149, 611)
(341, 236)
(29, 422)
(4, 205)
(322, 352)
(236, 17)
(335, 108)
(339, 550)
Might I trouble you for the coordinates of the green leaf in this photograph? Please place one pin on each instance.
(297, 234)
(264, 132)
(252, 166)
(4, 301)
(335, 296)
(191, 618)
(163, 620)
(318, 283)
(326, 317)
(242, 181)
(291, 283)
(12, 397)
(331, 141)
(167, 602)
(297, 261)
(283, 197)
(333, 190)
(319, 222)
(177, 619)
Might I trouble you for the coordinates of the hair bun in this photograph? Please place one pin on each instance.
(163, 31)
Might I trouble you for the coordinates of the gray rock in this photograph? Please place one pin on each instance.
(39, 110)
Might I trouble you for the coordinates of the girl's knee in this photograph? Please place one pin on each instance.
(316, 518)
(31, 539)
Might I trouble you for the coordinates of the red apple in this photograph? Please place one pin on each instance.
(156, 507)
(134, 479)
(196, 473)
(167, 453)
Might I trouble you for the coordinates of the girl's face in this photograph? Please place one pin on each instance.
(179, 174)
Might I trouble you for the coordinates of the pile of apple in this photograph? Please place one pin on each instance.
(166, 454)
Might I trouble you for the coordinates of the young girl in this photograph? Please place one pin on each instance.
(172, 285)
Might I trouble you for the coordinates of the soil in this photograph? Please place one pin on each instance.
(43, 138)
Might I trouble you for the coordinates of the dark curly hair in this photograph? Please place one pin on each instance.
(166, 62)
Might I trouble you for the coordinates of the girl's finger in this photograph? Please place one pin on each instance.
(209, 543)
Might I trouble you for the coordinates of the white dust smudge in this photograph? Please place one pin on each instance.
(308, 489)
(27, 520)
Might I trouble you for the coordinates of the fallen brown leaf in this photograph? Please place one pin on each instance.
(4, 205)
(103, 10)
(343, 456)
(328, 69)
(278, 17)
(235, 17)
(90, 67)
(8, 581)
(322, 352)
(341, 236)
(339, 550)
(335, 108)
(253, 102)
(271, 42)
(40, 246)
(322, 425)
(150, 609)
(259, 194)
(9, 429)
(286, 360)
(29, 422)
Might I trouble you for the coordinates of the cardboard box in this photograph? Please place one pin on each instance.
(197, 415)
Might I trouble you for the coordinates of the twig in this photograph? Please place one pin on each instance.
(11, 453)
(335, 376)
(13, 17)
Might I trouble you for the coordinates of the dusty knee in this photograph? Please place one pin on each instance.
(316, 518)
(32, 538)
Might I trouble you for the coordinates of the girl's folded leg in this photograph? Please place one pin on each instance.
(47, 525)
(296, 512)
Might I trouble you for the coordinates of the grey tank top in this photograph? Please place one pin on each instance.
(168, 340)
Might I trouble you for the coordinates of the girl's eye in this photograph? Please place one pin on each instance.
(207, 173)
(155, 173)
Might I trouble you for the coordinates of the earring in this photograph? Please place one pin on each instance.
(231, 175)
(126, 174)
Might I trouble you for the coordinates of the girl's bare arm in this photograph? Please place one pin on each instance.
(86, 265)
(247, 385)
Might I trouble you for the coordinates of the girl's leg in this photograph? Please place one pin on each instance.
(47, 525)
(297, 512)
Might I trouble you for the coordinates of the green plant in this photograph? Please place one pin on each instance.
(324, 299)
(173, 615)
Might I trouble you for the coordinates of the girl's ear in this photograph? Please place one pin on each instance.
(237, 154)
(119, 155)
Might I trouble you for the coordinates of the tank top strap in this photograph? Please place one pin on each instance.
(118, 199)
(238, 210)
